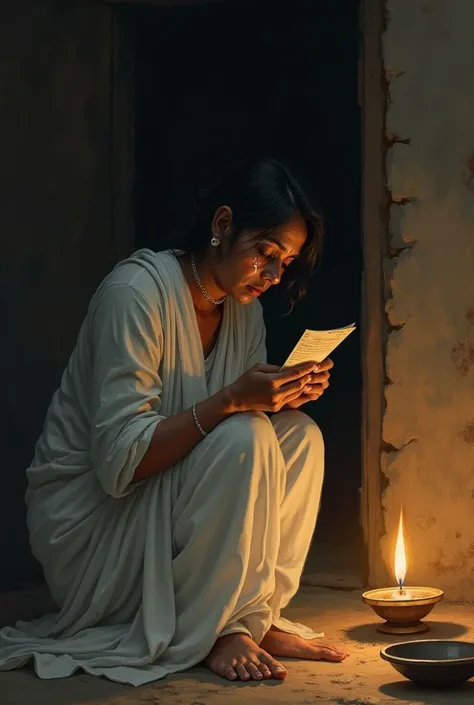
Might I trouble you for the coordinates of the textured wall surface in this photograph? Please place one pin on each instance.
(55, 231)
(429, 421)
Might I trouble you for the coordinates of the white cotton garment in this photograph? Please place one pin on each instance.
(165, 565)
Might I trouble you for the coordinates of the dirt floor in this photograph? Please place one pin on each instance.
(363, 679)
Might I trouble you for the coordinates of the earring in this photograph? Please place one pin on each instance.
(215, 242)
(255, 264)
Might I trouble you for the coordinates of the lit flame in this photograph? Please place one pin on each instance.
(400, 555)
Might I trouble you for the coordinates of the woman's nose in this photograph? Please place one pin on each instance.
(274, 272)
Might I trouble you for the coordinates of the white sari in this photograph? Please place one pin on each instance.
(147, 575)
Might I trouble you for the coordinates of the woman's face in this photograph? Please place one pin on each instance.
(251, 265)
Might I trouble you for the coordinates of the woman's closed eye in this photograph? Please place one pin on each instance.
(271, 257)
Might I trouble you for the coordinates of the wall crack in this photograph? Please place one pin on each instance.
(395, 252)
(389, 448)
(402, 200)
(393, 327)
(392, 138)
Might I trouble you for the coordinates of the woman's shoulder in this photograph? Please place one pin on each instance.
(152, 274)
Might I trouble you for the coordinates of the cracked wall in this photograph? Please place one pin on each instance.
(428, 428)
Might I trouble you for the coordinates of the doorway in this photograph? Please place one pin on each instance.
(227, 80)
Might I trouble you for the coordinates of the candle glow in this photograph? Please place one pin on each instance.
(400, 554)
(403, 609)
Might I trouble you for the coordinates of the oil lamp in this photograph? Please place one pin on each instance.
(402, 607)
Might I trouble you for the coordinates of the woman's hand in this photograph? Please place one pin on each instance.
(315, 387)
(267, 388)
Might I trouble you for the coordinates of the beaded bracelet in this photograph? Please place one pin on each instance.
(196, 421)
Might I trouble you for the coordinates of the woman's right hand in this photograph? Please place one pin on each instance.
(267, 388)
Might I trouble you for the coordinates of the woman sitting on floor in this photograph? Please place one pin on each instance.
(171, 515)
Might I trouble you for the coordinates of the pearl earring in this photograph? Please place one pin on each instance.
(215, 242)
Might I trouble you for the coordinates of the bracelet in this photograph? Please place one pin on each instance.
(196, 421)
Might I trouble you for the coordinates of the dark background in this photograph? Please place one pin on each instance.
(225, 81)
(213, 83)
(56, 229)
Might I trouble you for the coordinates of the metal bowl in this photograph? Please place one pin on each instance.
(432, 662)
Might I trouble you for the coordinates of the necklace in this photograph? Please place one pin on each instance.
(201, 285)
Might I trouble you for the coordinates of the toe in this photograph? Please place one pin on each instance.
(264, 670)
(229, 673)
(242, 672)
(276, 668)
(279, 672)
(254, 671)
(330, 654)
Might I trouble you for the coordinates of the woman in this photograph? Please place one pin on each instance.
(171, 515)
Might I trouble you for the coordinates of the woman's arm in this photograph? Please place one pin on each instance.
(130, 439)
(177, 435)
(126, 340)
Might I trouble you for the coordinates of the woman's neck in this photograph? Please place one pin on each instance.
(201, 304)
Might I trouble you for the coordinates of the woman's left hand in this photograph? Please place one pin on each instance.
(318, 384)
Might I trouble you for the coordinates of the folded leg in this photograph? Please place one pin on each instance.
(302, 448)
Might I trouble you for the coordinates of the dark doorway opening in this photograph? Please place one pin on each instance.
(222, 81)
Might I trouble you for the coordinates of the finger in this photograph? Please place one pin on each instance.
(295, 386)
(312, 393)
(293, 396)
(283, 402)
(320, 377)
(263, 367)
(287, 374)
(302, 386)
(326, 364)
(319, 387)
(313, 397)
(296, 403)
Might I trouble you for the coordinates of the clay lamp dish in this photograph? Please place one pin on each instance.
(401, 607)
(432, 662)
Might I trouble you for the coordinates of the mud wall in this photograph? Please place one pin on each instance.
(429, 422)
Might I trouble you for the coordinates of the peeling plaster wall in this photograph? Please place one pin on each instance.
(429, 422)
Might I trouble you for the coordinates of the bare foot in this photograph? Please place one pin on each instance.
(237, 657)
(285, 645)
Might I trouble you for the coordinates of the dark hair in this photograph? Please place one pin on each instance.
(263, 196)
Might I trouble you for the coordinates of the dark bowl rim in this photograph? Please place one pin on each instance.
(391, 658)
